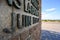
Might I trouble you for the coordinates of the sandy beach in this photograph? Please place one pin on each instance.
(51, 26)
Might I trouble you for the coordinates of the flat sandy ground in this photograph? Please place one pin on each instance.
(51, 26)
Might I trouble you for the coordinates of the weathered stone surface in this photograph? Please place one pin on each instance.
(24, 35)
(5, 22)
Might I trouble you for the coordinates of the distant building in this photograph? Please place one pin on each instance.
(20, 19)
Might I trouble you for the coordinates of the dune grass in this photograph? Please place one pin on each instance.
(51, 20)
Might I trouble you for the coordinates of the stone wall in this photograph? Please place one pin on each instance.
(31, 32)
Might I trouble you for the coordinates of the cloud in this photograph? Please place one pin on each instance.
(48, 13)
(50, 10)
(43, 12)
(44, 15)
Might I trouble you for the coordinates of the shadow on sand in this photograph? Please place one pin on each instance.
(50, 35)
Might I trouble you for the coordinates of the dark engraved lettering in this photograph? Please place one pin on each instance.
(27, 7)
(6, 30)
(23, 20)
(18, 21)
(35, 3)
(13, 21)
(9, 2)
(26, 20)
(15, 3)
(35, 20)
(33, 9)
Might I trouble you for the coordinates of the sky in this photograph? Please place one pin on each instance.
(51, 9)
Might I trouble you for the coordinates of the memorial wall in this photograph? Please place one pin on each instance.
(20, 19)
